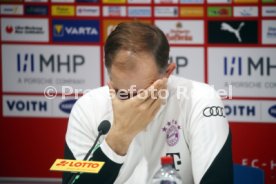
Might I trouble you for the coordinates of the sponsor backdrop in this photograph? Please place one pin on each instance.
(52, 53)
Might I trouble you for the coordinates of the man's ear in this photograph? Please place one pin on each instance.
(170, 68)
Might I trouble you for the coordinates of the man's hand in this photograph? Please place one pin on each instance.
(133, 115)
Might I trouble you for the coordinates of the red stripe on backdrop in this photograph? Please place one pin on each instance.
(29, 146)
(254, 145)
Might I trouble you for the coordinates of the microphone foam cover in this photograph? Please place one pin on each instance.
(104, 127)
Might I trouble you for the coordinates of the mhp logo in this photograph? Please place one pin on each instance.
(76, 31)
(55, 63)
(238, 65)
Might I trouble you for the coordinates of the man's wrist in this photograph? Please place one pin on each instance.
(111, 154)
(118, 142)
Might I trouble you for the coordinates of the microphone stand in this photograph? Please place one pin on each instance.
(76, 176)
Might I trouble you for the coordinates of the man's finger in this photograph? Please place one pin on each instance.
(112, 91)
(160, 83)
(155, 106)
(151, 93)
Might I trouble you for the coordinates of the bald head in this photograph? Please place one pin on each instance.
(130, 68)
(137, 37)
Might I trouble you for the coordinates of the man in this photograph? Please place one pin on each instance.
(188, 123)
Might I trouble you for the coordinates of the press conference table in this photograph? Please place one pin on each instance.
(30, 180)
(16, 182)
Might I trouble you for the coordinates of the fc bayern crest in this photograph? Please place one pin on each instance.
(172, 132)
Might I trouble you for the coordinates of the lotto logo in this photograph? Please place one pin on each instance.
(76, 166)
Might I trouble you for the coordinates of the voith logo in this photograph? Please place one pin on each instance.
(230, 29)
(9, 29)
(58, 30)
(240, 110)
(27, 105)
(238, 66)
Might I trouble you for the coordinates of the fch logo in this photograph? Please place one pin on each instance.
(172, 132)
(58, 30)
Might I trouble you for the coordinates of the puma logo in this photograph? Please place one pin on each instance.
(229, 28)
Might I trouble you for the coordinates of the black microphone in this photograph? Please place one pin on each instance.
(103, 128)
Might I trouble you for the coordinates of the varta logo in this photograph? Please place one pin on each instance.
(58, 30)
(81, 31)
(76, 31)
